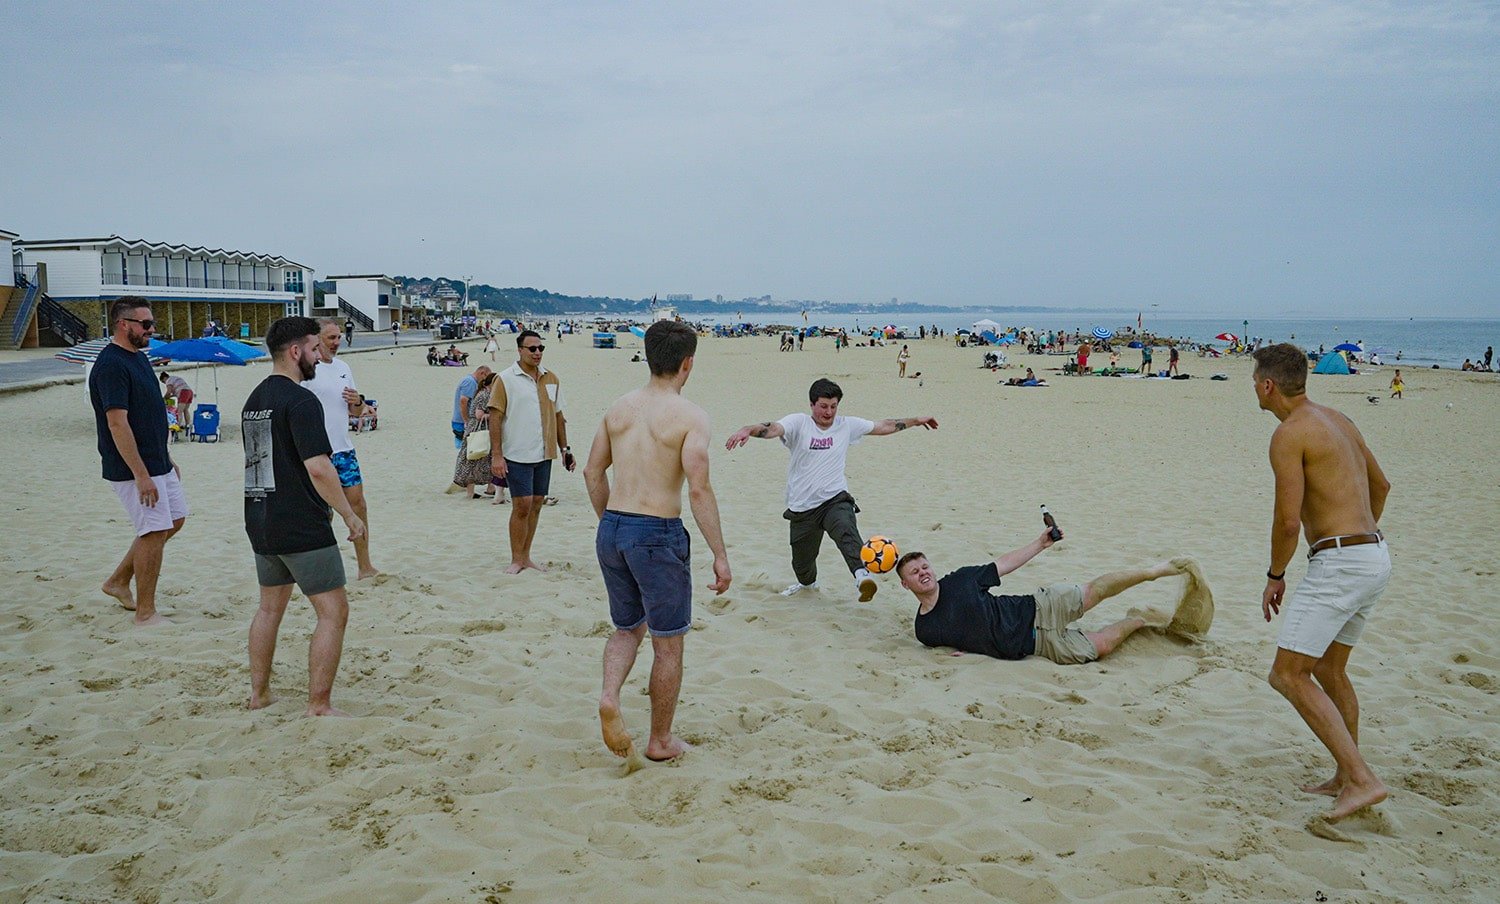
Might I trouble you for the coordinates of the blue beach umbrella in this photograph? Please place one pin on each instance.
(638, 331)
(1102, 333)
(211, 350)
(1347, 347)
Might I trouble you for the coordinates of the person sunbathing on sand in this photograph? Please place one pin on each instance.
(959, 611)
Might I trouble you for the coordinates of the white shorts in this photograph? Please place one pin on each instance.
(171, 503)
(1333, 601)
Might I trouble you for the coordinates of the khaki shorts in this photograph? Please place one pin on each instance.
(1057, 607)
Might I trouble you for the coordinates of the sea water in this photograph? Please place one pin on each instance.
(1418, 341)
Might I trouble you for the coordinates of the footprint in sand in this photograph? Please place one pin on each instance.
(1195, 611)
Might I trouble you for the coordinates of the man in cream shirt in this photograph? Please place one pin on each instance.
(527, 429)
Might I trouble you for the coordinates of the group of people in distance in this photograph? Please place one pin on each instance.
(650, 442)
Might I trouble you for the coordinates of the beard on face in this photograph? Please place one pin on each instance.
(141, 341)
(308, 366)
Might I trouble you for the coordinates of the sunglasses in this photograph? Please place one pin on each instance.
(145, 324)
(533, 348)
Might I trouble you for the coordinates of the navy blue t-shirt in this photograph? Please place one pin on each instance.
(970, 618)
(122, 379)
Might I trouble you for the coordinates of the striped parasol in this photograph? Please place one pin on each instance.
(88, 352)
(1102, 333)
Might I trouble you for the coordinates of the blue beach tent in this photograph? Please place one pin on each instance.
(1332, 363)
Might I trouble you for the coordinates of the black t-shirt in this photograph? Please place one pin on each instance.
(282, 426)
(122, 379)
(970, 618)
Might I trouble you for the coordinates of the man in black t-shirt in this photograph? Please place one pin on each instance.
(130, 419)
(959, 611)
(290, 485)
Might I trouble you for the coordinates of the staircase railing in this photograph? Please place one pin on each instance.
(23, 311)
(355, 314)
(52, 316)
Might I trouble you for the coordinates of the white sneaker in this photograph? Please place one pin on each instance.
(798, 588)
(866, 584)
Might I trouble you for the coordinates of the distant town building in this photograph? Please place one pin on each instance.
(676, 299)
(445, 298)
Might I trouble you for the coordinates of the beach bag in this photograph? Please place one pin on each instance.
(479, 446)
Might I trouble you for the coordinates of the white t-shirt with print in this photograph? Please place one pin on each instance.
(328, 385)
(815, 473)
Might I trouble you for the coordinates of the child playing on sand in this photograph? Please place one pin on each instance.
(1396, 385)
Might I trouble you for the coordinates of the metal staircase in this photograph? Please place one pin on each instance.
(63, 323)
(355, 314)
(29, 300)
(17, 315)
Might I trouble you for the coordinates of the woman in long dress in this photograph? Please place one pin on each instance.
(473, 474)
(492, 345)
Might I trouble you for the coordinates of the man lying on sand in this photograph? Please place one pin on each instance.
(959, 611)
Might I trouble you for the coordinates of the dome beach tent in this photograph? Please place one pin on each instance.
(1332, 363)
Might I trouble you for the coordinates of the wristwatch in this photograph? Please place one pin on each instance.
(1275, 577)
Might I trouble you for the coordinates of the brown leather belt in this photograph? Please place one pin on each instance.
(1341, 542)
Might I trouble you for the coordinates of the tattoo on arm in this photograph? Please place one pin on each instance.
(901, 425)
(761, 429)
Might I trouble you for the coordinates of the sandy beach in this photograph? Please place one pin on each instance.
(836, 758)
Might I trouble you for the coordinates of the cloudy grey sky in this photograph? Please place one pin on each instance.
(1206, 156)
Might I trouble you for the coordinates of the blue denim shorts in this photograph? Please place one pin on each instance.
(528, 478)
(645, 564)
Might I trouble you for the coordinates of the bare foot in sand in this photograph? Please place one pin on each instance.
(616, 738)
(670, 749)
(121, 593)
(518, 567)
(325, 711)
(1331, 788)
(366, 574)
(1350, 800)
(155, 621)
(254, 702)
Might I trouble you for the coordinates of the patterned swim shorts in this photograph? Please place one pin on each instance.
(348, 468)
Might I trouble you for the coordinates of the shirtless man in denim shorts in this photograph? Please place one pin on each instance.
(1329, 484)
(654, 439)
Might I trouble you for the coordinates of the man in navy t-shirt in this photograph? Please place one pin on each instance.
(130, 418)
(959, 611)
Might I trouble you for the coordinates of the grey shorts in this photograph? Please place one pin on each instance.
(314, 572)
(1057, 607)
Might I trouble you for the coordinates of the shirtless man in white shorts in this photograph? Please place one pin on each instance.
(1329, 484)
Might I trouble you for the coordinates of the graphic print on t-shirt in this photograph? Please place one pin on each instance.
(819, 443)
(260, 471)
